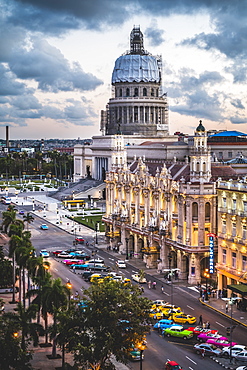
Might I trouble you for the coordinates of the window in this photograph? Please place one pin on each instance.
(223, 226)
(120, 92)
(136, 93)
(244, 231)
(207, 212)
(144, 91)
(194, 211)
(229, 154)
(234, 204)
(234, 229)
(234, 260)
(152, 92)
(244, 263)
(220, 155)
(224, 202)
(245, 206)
(224, 256)
(157, 93)
(127, 92)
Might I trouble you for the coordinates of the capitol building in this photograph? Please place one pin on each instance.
(169, 198)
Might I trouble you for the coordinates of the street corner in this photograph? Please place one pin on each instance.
(225, 363)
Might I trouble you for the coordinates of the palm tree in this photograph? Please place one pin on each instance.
(29, 330)
(56, 297)
(9, 218)
(28, 218)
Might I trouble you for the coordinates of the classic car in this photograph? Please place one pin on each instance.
(221, 342)
(203, 337)
(208, 349)
(177, 331)
(163, 324)
(44, 253)
(139, 279)
(182, 318)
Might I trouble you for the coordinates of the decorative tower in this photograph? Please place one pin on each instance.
(138, 106)
(200, 160)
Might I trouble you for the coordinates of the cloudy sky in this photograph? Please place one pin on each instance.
(57, 57)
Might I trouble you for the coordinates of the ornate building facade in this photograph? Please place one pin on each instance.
(163, 213)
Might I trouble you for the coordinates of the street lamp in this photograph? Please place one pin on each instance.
(207, 276)
(127, 249)
(94, 252)
(170, 262)
(96, 231)
(69, 286)
(141, 347)
(231, 302)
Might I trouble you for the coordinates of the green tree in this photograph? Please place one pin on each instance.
(115, 318)
(11, 354)
(5, 270)
(23, 321)
(28, 218)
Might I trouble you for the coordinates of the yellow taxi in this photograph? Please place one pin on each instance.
(156, 315)
(96, 278)
(182, 318)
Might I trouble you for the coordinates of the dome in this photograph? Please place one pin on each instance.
(136, 68)
(200, 127)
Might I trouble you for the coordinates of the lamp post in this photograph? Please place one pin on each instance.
(69, 286)
(127, 248)
(231, 330)
(93, 255)
(141, 348)
(170, 262)
(96, 232)
(207, 276)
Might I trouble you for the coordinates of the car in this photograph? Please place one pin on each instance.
(135, 355)
(63, 254)
(208, 349)
(86, 275)
(177, 331)
(70, 262)
(79, 240)
(172, 365)
(156, 315)
(163, 324)
(55, 253)
(160, 302)
(182, 318)
(203, 337)
(121, 264)
(80, 254)
(241, 356)
(198, 330)
(241, 368)
(139, 279)
(170, 312)
(221, 342)
(44, 253)
(44, 227)
(21, 212)
(234, 350)
(98, 261)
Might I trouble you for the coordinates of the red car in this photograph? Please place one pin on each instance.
(73, 262)
(198, 330)
(55, 253)
(172, 365)
(79, 240)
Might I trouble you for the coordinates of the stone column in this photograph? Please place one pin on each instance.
(194, 269)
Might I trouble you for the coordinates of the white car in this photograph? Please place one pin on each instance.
(63, 255)
(121, 264)
(138, 279)
(44, 253)
(235, 349)
(241, 368)
(241, 356)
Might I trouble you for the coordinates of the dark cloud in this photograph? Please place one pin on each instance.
(238, 120)
(154, 34)
(8, 83)
(190, 95)
(237, 104)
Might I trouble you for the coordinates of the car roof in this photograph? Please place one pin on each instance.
(173, 363)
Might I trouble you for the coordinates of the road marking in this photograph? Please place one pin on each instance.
(191, 368)
(112, 259)
(220, 324)
(56, 269)
(166, 293)
(191, 307)
(188, 358)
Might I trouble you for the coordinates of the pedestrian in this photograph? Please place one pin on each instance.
(203, 352)
(149, 284)
(162, 289)
(200, 320)
(154, 285)
(226, 307)
(208, 325)
(204, 325)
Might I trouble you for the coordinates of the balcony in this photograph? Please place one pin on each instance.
(175, 215)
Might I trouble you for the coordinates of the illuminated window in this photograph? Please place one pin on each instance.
(244, 263)
(223, 226)
(224, 256)
(233, 229)
(234, 260)
(234, 204)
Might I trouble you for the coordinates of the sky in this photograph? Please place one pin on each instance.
(57, 58)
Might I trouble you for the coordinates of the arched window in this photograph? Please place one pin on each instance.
(127, 92)
(194, 212)
(157, 93)
(136, 91)
(120, 92)
(207, 212)
(152, 92)
(144, 91)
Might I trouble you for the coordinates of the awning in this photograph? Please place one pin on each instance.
(238, 288)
